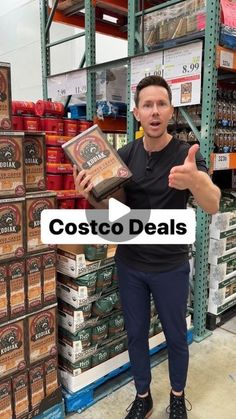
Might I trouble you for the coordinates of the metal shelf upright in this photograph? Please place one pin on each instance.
(89, 56)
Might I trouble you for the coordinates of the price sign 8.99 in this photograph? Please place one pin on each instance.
(182, 70)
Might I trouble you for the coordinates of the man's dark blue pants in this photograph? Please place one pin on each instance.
(170, 293)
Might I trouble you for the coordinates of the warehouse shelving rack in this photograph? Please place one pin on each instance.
(135, 11)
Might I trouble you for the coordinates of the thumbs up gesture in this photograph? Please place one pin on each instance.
(182, 177)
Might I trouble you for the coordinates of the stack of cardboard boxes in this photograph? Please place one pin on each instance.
(28, 313)
(222, 257)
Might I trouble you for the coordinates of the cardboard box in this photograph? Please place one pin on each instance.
(51, 375)
(222, 274)
(91, 151)
(17, 289)
(35, 161)
(12, 348)
(34, 282)
(20, 392)
(111, 84)
(12, 221)
(222, 298)
(6, 408)
(221, 250)
(73, 350)
(69, 291)
(5, 96)
(72, 262)
(12, 173)
(49, 277)
(36, 385)
(4, 297)
(35, 204)
(42, 334)
(73, 319)
(223, 221)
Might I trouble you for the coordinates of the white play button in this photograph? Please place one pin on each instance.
(117, 210)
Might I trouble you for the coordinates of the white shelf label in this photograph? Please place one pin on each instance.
(226, 59)
(56, 87)
(74, 83)
(221, 161)
(182, 70)
(145, 65)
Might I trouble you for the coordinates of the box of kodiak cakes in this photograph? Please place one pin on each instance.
(12, 182)
(92, 152)
(20, 393)
(6, 410)
(5, 96)
(4, 306)
(35, 204)
(51, 375)
(17, 299)
(12, 243)
(35, 161)
(12, 348)
(42, 334)
(36, 385)
(34, 282)
(49, 277)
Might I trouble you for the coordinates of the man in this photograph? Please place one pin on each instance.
(165, 172)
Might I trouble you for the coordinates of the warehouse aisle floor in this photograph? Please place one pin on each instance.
(211, 386)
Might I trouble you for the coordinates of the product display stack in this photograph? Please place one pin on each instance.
(29, 384)
(222, 259)
(92, 337)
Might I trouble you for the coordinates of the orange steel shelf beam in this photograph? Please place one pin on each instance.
(105, 28)
(115, 5)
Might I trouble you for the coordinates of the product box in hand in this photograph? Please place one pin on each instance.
(92, 152)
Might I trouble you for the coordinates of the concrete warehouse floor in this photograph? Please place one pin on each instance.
(211, 386)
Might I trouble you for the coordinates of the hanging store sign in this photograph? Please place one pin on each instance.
(182, 70)
(73, 83)
(180, 66)
(145, 65)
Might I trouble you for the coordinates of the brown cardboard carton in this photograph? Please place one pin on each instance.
(35, 161)
(35, 204)
(51, 375)
(6, 411)
(34, 283)
(12, 228)
(49, 277)
(16, 275)
(4, 306)
(5, 96)
(91, 151)
(12, 348)
(36, 384)
(42, 335)
(11, 164)
(20, 394)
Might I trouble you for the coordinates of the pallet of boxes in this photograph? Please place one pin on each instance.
(222, 259)
(92, 338)
(29, 384)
